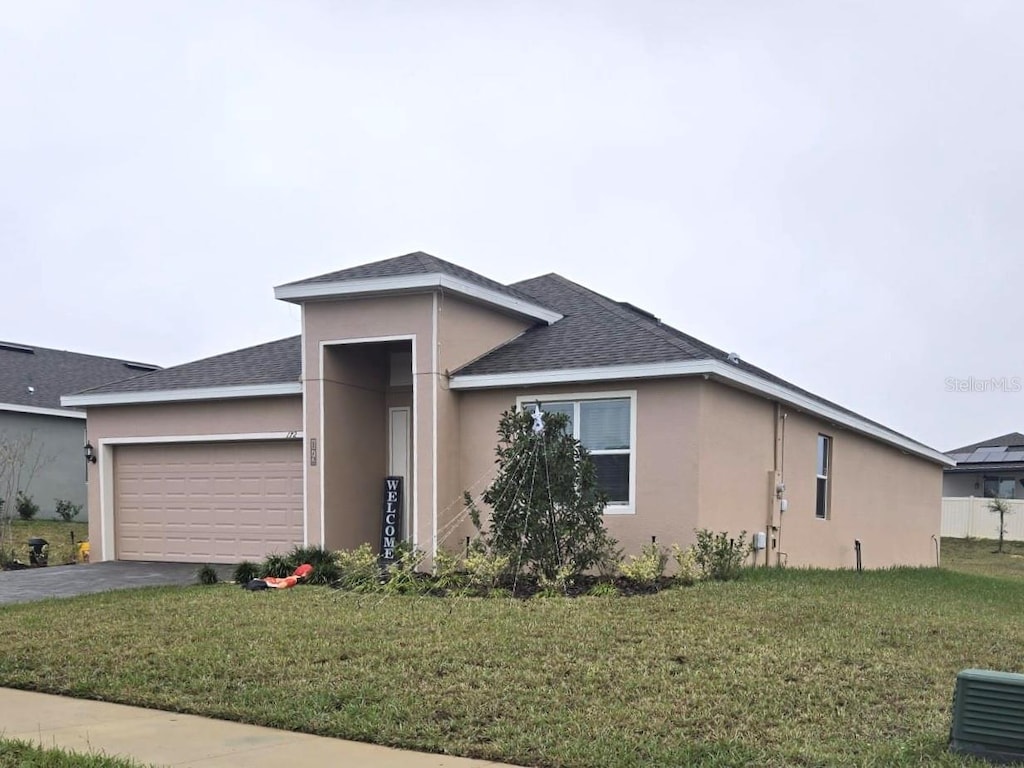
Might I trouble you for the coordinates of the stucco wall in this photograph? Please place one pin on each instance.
(362, 319)
(667, 437)
(973, 483)
(889, 500)
(220, 417)
(57, 442)
(354, 449)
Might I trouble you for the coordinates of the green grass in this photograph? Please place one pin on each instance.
(980, 556)
(795, 667)
(21, 754)
(56, 532)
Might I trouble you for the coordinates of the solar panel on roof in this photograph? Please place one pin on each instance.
(1014, 456)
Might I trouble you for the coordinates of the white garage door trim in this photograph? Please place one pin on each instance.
(106, 474)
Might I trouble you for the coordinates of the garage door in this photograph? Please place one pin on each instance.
(207, 502)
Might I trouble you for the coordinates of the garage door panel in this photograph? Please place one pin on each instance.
(207, 502)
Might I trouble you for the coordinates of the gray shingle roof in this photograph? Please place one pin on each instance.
(596, 331)
(417, 263)
(1011, 438)
(54, 372)
(276, 362)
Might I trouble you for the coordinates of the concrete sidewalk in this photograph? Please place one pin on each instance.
(153, 737)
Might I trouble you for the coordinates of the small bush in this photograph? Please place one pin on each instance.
(245, 572)
(66, 511)
(360, 569)
(449, 573)
(558, 585)
(26, 506)
(646, 569)
(207, 575)
(718, 556)
(485, 570)
(603, 589)
(324, 572)
(277, 566)
(687, 571)
(313, 555)
(402, 576)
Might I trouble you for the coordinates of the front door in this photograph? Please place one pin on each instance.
(399, 460)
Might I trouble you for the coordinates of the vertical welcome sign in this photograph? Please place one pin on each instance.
(391, 528)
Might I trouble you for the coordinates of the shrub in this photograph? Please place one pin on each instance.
(687, 571)
(277, 566)
(646, 569)
(67, 511)
(359, 569)
(554, 521)
(485, 570)
(26, 506)
(449, 573)
(557, 585)
(324, 572)
(313, 555)
(207, 575)
(245, 572)
(401, 576)
(719, 557)
(603, 589)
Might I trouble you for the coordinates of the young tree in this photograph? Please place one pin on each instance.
(1001, 508)
(545, 506)
(20, 458)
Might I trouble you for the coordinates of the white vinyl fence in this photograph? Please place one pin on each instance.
(970, 516)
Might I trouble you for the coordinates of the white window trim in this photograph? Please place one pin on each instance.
(561, 397)
(827, 477)
(105, 470)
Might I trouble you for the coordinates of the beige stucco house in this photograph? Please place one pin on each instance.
(403, 368)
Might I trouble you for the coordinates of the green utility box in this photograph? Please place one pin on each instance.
(988, 715)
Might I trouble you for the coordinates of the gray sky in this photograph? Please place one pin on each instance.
(831, 189)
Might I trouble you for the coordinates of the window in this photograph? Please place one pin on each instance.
(824, 467)
(603, 423)
(999, 487)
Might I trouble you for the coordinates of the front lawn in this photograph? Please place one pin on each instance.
(780, 668)
(21, 754)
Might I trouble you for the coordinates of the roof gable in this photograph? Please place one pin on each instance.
(411, 272)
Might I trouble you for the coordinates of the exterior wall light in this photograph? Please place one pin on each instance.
(90, 453)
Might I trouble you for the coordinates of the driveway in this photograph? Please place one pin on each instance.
(69, 580)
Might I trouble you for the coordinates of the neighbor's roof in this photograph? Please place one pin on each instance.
(1003, 452)
(415, 271)
(271, 368)
(34, 378)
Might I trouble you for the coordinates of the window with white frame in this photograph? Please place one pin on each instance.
(821, 505)
(604, 425)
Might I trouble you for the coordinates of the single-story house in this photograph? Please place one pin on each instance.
(403, 367)
(993, 468)
(48, 436)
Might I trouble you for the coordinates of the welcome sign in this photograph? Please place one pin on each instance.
(391, 528)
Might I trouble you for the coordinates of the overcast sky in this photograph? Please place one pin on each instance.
(833, 190)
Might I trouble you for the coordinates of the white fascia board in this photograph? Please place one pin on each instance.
(15, 408)
(184, 395)
(298, 293)
(711, 368)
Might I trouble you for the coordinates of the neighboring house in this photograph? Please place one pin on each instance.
(32, 379)
(404, 366)
(992, 468)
